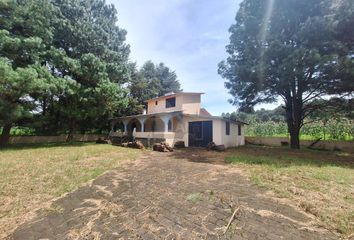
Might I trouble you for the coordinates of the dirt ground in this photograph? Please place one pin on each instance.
(189, 194)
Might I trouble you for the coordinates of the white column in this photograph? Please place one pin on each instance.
(142, 123)
(126, 122)
(165, 120)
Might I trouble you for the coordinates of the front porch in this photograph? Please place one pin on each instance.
(150, 128)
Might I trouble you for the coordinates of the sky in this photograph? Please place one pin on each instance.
(189, 36)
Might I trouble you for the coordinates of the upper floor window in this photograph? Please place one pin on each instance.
(170, 102)
(227, 128)
(239, 130)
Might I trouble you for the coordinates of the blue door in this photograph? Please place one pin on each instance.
(200, 133)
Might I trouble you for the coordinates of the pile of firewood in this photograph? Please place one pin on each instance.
(134, 144)
(162, 147)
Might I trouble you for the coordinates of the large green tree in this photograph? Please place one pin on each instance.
(152, 80)
(293, 50)
(25, 34)
(96, 57)
(63, 63)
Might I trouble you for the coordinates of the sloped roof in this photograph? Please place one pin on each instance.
(204, 112)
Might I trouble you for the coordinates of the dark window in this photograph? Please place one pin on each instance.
(169, 125)
(239, 130)
(156, 102)
(170, 102)
(227, 128)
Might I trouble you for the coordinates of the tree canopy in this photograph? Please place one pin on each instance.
(64, 67)
(296, 50)
(153, 80)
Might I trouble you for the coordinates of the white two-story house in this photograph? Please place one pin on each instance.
(179, 117)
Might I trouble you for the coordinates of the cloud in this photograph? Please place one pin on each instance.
(189, 36)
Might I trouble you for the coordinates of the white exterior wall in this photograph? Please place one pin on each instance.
(188, 103)
(191, 103)
(233, 139)
(161, 105)
(171, 137)
(219, 132)
(181, 127)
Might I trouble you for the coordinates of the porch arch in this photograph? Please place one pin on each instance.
(133, 123)
(154, 124)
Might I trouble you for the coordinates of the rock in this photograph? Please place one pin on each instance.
(135, 144)
(214, 147)
(158, 147)
(179, 144)
(101, 141)
(211, 146)
(219, 148)
(167, 146)
(162, 147)
(125, 144)
(139, 145)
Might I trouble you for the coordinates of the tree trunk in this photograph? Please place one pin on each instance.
(293, 118)
(70, 136)
(5, 135)
(295, 138)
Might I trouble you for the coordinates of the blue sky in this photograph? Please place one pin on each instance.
(189, 36)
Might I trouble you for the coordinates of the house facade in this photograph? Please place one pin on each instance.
(179, 117)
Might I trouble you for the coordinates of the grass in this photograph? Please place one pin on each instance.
(194, 197)
(306, 137)
(33, 175)
(320, 182)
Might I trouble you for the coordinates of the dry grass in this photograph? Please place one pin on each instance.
(33, 175)
(321, 183)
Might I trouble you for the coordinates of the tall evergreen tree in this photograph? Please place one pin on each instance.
(153, 81)
(288, 49)
(63, 61)
(168, 79)
(90, 39)
(26, 31)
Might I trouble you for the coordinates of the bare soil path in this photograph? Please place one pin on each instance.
(179, 195)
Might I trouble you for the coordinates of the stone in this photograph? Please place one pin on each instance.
(135, 144)
(211, 146)
(139, 145)
(214, 147)
(162, 147)
(158, 147)
(179, 144)
(220, 148)
(167, 146)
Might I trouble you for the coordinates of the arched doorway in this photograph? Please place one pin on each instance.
(133, 124)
